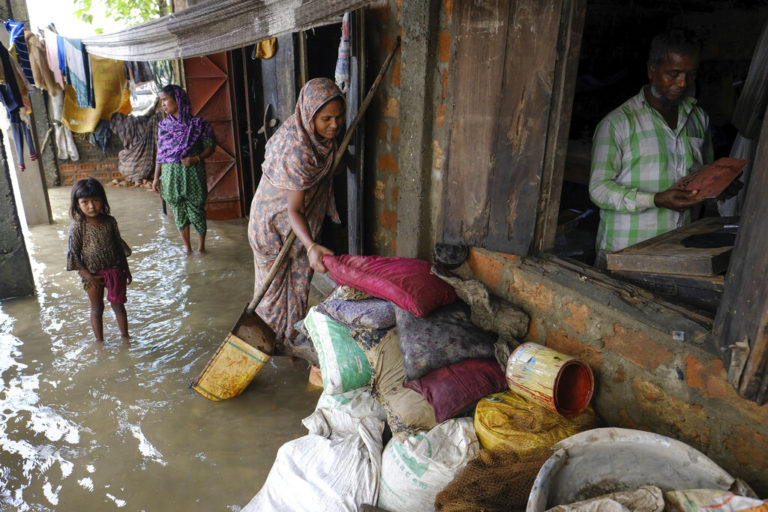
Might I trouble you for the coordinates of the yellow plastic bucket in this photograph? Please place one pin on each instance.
(238, 359)
(559, 382)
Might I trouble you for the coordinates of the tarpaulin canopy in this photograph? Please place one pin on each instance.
(216, 25)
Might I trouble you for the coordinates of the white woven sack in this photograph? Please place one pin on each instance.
(413, 472)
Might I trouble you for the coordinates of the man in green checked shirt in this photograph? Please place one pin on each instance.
(642, 148)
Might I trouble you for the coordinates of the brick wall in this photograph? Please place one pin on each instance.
(93, 162)
(646, 378)
(384, 134)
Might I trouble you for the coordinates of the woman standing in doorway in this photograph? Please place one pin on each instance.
(298, 157)
(183, 143)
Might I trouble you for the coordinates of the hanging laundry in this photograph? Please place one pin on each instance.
(163, 73)
(38, 59)
(62, 51)
(342, 62)
(20, 133)
(65, 143)
(138, 72)
(79, 72)
(52, 53)
(136, 161)
(11, 98)
(110, 96)
(17, 41)
(101, 135)
(265, 49)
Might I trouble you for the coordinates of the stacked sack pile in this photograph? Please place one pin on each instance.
(416, 412)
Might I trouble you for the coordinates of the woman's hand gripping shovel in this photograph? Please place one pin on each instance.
(251, 343)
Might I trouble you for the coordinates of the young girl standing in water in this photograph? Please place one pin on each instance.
(98, 253)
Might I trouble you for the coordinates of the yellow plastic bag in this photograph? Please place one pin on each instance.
(509, 421)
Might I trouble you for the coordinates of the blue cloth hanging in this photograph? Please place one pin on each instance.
(16, 31)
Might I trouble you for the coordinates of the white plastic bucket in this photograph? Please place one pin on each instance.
(605, 460)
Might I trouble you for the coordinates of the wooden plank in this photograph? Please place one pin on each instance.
(553, 172)
(703, 292)
(665, 254)
(523, 124)
(477, 73)
(743, 314)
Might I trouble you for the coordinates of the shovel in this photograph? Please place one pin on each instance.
(250, 329)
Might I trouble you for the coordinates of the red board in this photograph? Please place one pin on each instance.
(712, 179)
(209, 93)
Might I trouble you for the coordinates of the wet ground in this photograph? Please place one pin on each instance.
(89, 428)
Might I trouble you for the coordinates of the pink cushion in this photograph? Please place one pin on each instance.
(405, 281)
(451, 389)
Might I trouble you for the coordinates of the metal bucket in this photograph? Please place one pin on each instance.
(238, 359)
(559, 382)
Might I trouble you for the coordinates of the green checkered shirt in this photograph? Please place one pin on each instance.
(636, 154)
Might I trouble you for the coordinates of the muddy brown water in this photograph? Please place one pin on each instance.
(116, 427)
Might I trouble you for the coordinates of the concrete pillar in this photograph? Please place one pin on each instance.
(47, 148)
(32, 183)
(419, 47)
(15, 271)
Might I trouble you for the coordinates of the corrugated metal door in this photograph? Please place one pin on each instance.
(209, 93)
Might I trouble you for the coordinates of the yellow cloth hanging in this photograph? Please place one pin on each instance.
(108, 89)
(266, 49)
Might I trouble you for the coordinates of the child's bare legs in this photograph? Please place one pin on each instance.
(185, 238)
(96, 296)
(122, 319)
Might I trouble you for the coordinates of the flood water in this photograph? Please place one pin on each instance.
(116, 427)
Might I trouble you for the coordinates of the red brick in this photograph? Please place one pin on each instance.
(637, 347)
(487, 270)
(710, 380)
(444, 46)
(86, 167)
(745, 444)
(536, 294)
(396, 74)
(389, 220)
(381, 132)
(578, 318)
(395, 134)
(66, 168)
(445, 84)
(533, 331)
(448, 6)
(391, 108)
(560, 341)
(387, 163)
(440, 115)
(689, 420)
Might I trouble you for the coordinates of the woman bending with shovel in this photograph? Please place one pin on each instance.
(298, 156)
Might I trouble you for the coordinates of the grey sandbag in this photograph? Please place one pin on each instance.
(445, 336)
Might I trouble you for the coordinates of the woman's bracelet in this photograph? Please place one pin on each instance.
(310, 247)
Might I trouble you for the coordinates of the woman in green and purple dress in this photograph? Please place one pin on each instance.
(183, 143)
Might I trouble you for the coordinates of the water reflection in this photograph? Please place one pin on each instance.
(84, 427)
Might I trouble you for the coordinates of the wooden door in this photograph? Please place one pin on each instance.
(209, 93)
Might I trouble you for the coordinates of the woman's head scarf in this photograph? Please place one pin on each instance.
(296, 157)
(177, 135)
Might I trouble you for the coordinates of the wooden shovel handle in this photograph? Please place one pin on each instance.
(337, 159)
